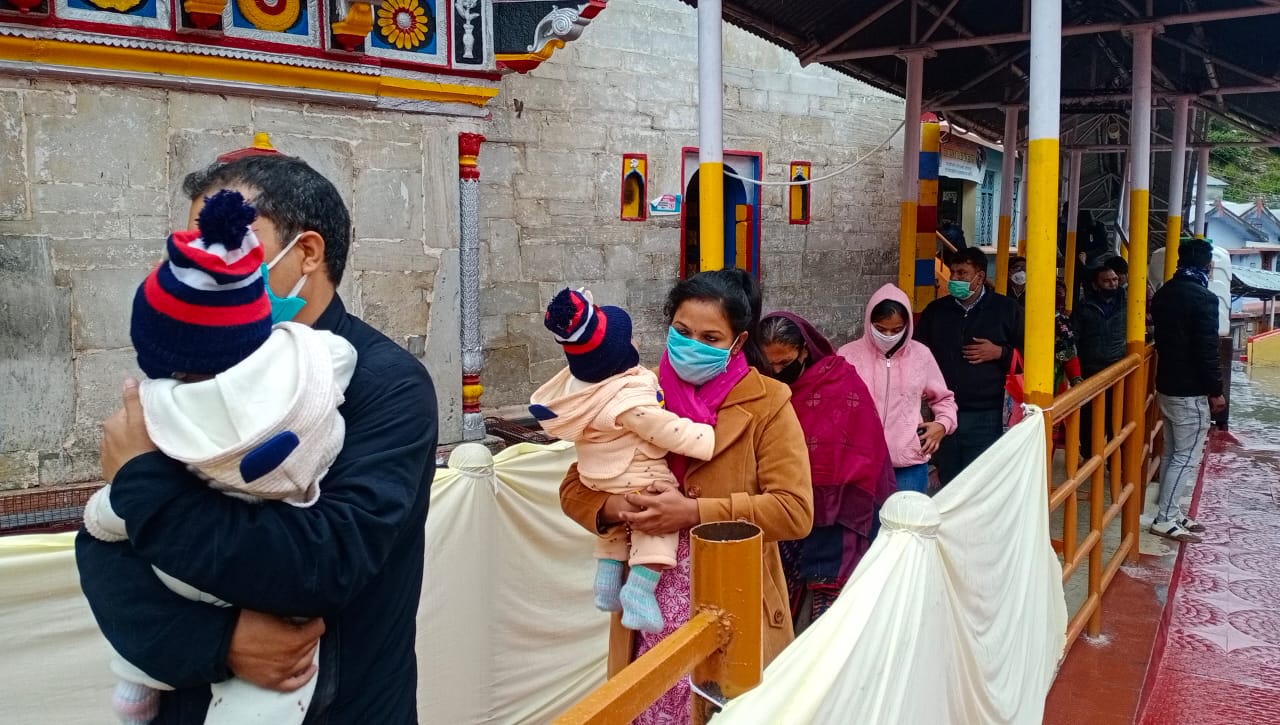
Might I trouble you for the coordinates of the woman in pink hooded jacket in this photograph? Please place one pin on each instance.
(901, 373)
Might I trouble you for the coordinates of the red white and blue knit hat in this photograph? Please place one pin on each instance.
(596, 340)
(206, 307)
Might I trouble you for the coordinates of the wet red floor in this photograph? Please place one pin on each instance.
(1221, 659)
(1212, 656)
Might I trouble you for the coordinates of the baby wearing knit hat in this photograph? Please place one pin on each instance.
(612, 409)
(250, 407)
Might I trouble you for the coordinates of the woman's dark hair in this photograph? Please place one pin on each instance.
(781, 331)
(885, 309)
(739, 296)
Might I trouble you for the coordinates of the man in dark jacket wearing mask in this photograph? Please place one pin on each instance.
(1188, 381)
(1100, 321)
(972, 333)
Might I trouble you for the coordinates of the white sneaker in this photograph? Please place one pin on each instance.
(1174, 530)
(1191, 525)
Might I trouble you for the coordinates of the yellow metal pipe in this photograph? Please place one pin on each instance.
(1139, 209)
(907, 250)
(1042, 227)
(711, 215)
(1172, 238)
(1002, 255)
(727, 578)
(722, 644)
(1069, 271)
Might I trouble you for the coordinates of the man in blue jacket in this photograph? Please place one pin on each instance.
(350, 566)
(972, 333)
(1188, 382)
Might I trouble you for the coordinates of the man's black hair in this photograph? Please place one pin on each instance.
(1117, 265)
(1096, 272)
(971, 256)
(197, 183)
(289, 193)
(1195, 253)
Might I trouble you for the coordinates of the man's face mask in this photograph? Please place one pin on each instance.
(284, 308)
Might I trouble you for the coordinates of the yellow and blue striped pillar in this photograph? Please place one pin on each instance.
(926, 248)
(1041, 203)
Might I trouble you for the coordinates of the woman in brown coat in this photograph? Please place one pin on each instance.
(759, 472)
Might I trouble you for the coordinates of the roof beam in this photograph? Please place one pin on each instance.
(1216, 60)
(1119, 96)
(1251, 11)
(811, 55)
(936, 23)
(1004, 62)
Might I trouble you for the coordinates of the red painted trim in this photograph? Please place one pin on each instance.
(622, 190)
(216, 39)
(684, 208)
(1264, 335)
(806, 217)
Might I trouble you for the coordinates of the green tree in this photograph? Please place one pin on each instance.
(1252, 172)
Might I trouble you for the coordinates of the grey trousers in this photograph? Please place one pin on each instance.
(1186, 428)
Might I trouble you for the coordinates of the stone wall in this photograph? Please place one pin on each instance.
(90, 181)
(550, 179)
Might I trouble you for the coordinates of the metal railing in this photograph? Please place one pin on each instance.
(1118, 468)
(721, 644)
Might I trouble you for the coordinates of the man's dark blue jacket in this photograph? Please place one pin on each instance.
(354, 558)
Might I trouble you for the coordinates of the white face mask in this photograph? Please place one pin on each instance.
(1019, 278)
(287, 248)
(886, 342)
(284, 308)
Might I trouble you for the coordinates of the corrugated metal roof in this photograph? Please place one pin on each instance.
(1254, 282)
(1091, 64)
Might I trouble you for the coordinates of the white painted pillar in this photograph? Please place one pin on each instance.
(1202, 191)
(1040, 200)
(1007, 169)
(1177, 179)
(711, 254)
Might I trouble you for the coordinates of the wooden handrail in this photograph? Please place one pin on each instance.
(1080, 395)
(619, 700)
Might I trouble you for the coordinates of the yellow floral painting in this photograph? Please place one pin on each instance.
(403, 23)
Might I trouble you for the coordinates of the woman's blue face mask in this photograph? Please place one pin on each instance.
(695, 362)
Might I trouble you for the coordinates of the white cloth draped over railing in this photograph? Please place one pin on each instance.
(955, 615)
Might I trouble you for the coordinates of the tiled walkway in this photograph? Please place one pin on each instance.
(1221, 653)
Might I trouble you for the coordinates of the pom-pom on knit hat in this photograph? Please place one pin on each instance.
(205, 308)
(596, 340)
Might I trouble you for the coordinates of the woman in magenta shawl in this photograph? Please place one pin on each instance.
(852, 471)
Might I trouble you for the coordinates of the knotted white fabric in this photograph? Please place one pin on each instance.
(955, 615)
